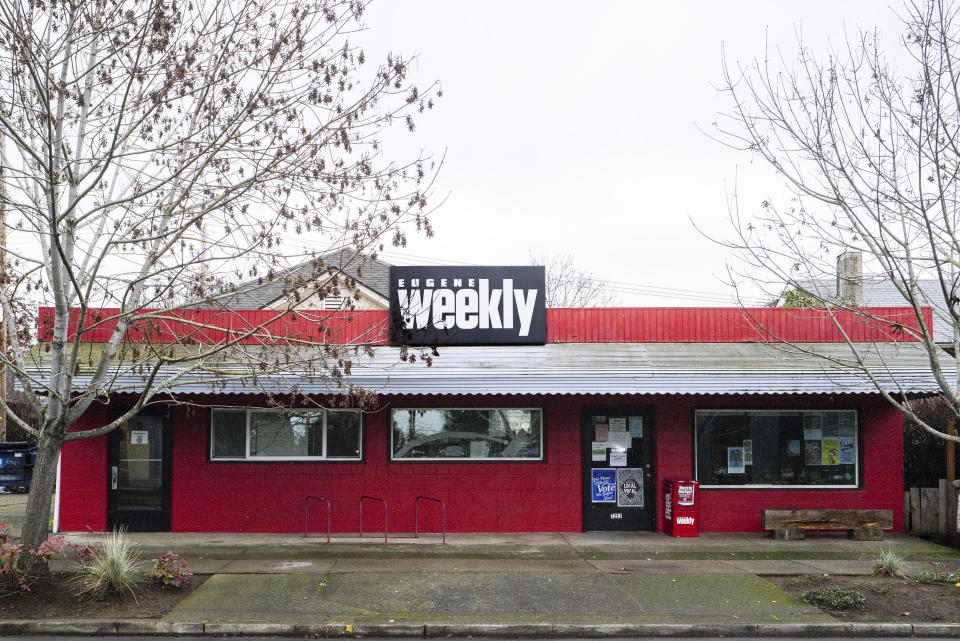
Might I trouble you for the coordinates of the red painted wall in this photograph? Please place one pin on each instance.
(737, 510)
(599, 325)
(83, 478)
(480, 497)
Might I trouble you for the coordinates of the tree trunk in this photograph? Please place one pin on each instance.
(36, 519)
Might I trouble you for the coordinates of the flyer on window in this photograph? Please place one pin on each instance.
(830, 425)
(847, 425)
(603, 485)
(600, 432)
(830, 451)
(619, 438)
(812, 427)
(618, 458)
(735, 460)
(748, 451)
(811, 453)
(598, 451)
(630, 487)
(848, 451)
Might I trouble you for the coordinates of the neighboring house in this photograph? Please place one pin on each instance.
(875, 290)
(329, 282)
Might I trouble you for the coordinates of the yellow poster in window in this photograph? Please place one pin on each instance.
(831, 451)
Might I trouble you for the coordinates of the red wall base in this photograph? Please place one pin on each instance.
(480, 497)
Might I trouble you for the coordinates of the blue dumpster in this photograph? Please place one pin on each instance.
(16, 465)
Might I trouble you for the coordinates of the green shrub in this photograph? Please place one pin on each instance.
(834, 598)
(889, 563)
(928, 576)
(110, 569)
(873, 587)
(937, 575)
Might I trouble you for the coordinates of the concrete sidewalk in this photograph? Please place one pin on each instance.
(549, 585)
(538, 580)
(548, 545)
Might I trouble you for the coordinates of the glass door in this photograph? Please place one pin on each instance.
(618, 473)
(139, 475)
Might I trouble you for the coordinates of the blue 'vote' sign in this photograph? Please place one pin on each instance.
(604, 485)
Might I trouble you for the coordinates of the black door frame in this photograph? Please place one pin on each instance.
(644, 519)
(132, 521)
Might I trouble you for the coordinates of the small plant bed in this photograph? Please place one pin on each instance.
(55, 597)
(877, 598)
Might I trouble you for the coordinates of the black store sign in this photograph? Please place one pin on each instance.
(468, 305)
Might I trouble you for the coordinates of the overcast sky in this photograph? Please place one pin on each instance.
(573, 128)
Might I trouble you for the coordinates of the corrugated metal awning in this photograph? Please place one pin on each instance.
(587, 368)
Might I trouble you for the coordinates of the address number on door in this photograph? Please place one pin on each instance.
(616, 515)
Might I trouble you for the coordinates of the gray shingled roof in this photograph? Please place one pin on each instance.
(878, 291)
(372, 273)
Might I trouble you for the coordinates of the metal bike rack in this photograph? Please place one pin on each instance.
(306, 508)
(385, 524)
(416, 517)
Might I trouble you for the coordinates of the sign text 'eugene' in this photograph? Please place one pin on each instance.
(468, 305)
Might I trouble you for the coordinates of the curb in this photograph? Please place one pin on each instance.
(127, 627)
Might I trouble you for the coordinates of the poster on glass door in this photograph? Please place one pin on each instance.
(603, 483)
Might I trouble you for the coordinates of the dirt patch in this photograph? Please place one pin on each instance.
(889, 599)
(53, 597)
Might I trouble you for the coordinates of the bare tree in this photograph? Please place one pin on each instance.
(870, 153)
(157, 153)
(568, 286)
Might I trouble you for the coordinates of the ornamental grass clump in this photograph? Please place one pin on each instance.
(889, 563)
(110, 569)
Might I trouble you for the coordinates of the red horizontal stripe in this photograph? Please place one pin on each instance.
(607, 325)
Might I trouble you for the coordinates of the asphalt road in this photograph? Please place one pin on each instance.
(153, 638)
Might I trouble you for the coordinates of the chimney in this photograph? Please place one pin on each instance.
(850, 278)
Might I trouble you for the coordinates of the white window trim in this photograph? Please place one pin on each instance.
(773, 486)
(450, 459)
(247, 457)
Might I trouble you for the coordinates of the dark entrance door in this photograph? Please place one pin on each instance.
(139, 471)
(618, 472)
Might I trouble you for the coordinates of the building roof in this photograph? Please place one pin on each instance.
(581, 368)
(879, 291)
(260, 293)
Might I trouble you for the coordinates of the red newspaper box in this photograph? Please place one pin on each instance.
(681, 507)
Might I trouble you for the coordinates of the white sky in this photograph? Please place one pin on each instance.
(572, 128)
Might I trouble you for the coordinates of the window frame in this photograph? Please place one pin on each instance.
(248, 458)
(858, 433)
(488, 459)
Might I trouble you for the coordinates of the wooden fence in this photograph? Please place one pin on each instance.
(932, 511)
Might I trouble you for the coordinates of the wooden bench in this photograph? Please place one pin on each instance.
(861, 525)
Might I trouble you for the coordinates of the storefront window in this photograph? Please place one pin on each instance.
(777, 448)
(268, 435)
(467, 434)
